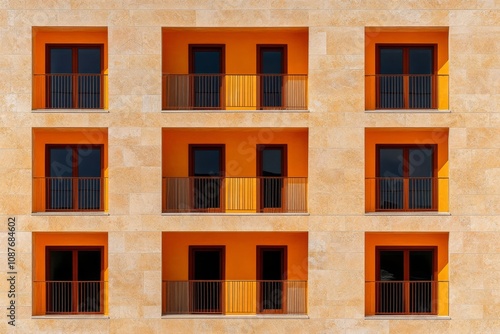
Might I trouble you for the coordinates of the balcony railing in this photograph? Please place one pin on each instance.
(410, 297)
(72, 297)
(409, 91)
(69, 193)
(69, 91)
(234, 297)
(405, 193)
(235, 91)
(235, 194)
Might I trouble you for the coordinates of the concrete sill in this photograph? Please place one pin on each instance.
(231, 214)
(71, 111)
(408, 111)
(240, 316)
(71, 316)
(76, 213)
(196, 111)
(416, 213)
(407, 317)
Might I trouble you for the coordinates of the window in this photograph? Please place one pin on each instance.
(206, 272)
(207, 70)
(271, 69)
(272, 172)
(74, 280)
(271, 275)
(406, 178)
(74, 76)
(406, 281)
(74, 179)
(406, 77)
(206, 164)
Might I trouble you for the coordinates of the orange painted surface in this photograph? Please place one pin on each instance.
(241, 252)
(240, 149)
(240, 47)
(70, 136)
(376, 239)
(415, 136)
(413, 36)
(41, 240)
(65, 35)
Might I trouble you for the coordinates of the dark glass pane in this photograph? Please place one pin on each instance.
(60, 182)
(60, 80)
(421, 287)
(420, 61)
(271, 85)
(390, 180)
(272, 62)
(272, 291)
(391, 61)
(89, 178)
(61, 60)
(421, 181)
(89, 285)
(272, 183)
(59, 282)
(207, 62)
(420, 78)
(390, 80)
(271, 162)
(390, 288)
(89, 78)
(61, 266)
(206, 295)
(207, 164)
(89, 60)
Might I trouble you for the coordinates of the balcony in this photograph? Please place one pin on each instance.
(408, 297)
(69, 91)
(405, 193)
(235, 297)
(235, 91)
(72, 297)
(403, 91)
(235, 194)
(69, 193)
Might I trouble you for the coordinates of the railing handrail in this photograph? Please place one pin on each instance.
(71, 74)
(408, 281)
(234, 177)
(70, 177)
(70, 281)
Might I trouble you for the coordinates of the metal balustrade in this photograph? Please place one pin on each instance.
(72, 297)
(233, 91)
(69, 193)
(234, 297)
(408, 91)
(405, 193)
(408, 297)
(69, 91)
(243, 194)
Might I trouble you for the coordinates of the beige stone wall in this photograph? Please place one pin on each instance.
(336, 121)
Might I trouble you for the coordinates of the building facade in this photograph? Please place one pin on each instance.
(250, 166)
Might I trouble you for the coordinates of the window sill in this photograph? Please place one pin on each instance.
(232, 214)
(236, 316)
(408, 111)
(413, 213)
(407, 317)
(71, 111)
(211, 111)
(71, 316)
(75, 213)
